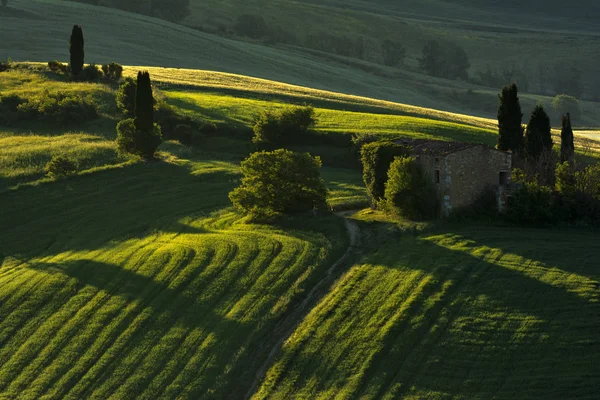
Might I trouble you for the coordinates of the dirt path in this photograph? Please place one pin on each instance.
(354, 236)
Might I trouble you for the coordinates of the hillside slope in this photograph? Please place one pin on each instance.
(139, 40)
(138, 280)
(460, 313)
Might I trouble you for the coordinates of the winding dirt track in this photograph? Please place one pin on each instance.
(354, 236)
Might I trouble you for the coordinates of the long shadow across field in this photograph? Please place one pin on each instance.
(480, 328)
(83, 213)
(160, 309)
(540, 345)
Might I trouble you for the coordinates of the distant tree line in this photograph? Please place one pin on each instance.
(445, 60)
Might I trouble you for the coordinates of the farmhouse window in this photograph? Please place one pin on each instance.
(503, 179)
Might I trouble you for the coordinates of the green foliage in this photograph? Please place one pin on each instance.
(566, 182)
(279, 182)
(567, 145)
(565, 104)
(532, 205)
(393, 53)
(91, 73)
(282, 127)
(58, 68)
(57, 108)
(361, 139)
(144, 103)
(408, 191)
(60, 166)
(168, 274)
(510, 120)
(4, 3)
(135, 141)
(538, 136)
(445, 60)
(126, 97)
(579, 200)
(376, 159)
(9, 108)
(112, 71)
(76, 50)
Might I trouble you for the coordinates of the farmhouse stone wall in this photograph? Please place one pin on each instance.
(463, 175)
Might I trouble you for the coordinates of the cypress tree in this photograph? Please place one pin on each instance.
(567, 145)
(538, 137)
(76, 50)
(144, 103)
(510, 120)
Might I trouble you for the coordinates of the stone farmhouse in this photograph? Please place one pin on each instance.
(461, 172)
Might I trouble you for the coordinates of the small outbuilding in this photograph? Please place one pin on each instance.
(461, 172)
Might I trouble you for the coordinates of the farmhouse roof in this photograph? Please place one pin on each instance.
(438, 147)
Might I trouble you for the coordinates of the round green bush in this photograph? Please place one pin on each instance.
(133, 141)
(126, 96)
(408, 192)
(280, 182)
(284, 127)
(60, 166)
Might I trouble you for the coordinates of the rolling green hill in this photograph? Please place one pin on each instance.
(139, 40)
(137, 279)
(458, 313)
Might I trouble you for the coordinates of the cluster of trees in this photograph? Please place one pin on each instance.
(534, 141)
(77, 68)
(140, 135)
(284, 127)
(445, 60)
(554, 188)
(388, 52)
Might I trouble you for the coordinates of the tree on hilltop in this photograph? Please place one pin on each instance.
(76, 50)
(140, 135)
(510, 127)
(538, 136)
(144, 103)
(280, 182)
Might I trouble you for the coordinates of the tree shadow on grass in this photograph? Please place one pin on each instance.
(85, 212)
(152, 306)
(478, 329)
(570, 250)
(510, 330)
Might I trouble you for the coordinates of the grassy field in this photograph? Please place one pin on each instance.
(138, 40)
(154, 289)
(138, 280)
(493, 33)
(459, 313)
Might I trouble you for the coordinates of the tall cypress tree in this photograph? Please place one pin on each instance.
(567, 145)
(144, 103)
(510, 119)
(76, 50)
(538, 137)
